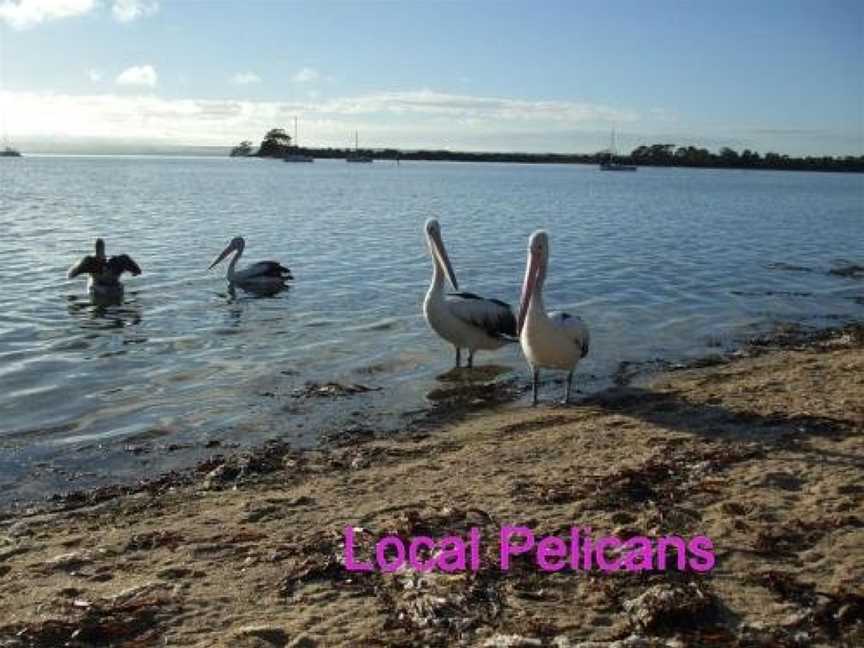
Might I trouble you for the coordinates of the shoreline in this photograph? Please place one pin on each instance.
(762, 452)
(457, 398)
(388, 155)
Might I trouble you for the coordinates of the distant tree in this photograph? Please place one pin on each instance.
(276, 143)
(243, 149)
(278, 135)
(728, 156)
(750, 158)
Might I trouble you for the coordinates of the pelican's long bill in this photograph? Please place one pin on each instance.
(441, 257)
(228, 250)
(532, 274)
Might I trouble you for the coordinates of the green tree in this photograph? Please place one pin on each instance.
(243, 149)
(277, 143)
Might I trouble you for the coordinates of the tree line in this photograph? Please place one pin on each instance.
(727, 158)
(277, 144)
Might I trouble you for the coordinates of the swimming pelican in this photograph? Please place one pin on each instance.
(104, 281)
(264, 276)
(556, 341)
(463, 319)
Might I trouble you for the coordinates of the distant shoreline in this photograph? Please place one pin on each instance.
(847, 164)
(780, 163)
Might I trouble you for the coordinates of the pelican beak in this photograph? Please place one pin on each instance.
(440, 254)
(224, 254)
(532, 272)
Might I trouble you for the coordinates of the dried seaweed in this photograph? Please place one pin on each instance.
(106, 622)
(667, 605)
(837, 614)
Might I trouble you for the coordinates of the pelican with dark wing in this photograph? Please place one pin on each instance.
(555, 341)
(103, 282)
(261, 277)
(463, 319)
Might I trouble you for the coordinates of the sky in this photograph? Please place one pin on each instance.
(549, 76)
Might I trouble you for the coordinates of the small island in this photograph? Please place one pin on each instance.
(278, 144)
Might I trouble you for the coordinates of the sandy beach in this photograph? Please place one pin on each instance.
(763, 454)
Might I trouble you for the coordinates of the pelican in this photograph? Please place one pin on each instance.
(264, 276)
(463, 319)
(104, 281)
(556, 341)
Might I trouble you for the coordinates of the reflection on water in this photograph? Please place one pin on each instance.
(666, 263)
(92, 314)
(255, 291)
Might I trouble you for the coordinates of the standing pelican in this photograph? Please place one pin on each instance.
(264, 276)
(104, 283)
(463, 319)
(556, 341)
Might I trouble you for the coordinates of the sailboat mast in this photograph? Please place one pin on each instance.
(356, 141)
(296, 143)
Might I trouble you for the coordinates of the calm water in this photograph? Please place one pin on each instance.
(663, 262)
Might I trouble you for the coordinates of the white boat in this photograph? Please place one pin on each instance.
(610, 163)
(356, 156)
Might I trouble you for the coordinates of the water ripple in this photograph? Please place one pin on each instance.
(665, 261)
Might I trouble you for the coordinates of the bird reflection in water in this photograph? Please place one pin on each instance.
(96, 314)
(236, 296)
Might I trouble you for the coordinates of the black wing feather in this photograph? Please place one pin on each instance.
(87, 265)
(500, 325)
(117, 265)
(272, 269)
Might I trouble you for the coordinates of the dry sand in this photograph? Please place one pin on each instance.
(764, 455)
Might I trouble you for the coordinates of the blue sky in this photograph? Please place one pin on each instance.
(535, 76)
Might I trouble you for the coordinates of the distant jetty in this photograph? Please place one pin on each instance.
(278, 144)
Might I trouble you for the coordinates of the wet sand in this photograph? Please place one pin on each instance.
(764, 454)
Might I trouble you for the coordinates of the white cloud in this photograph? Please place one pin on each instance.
(141, 75)
(305, 75)
(129, 10)
(245, 78)
(22, 14)
(420, 119)
(467, 107)
(94, 75)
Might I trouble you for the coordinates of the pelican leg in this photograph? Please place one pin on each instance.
(458, 357)
(567, 387)
(470, 358)
(535, 377)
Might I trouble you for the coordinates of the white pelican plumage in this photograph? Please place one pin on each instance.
(104, 283)
(463, 319)
(264, 276)
(556, 341)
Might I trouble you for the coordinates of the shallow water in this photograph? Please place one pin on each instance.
(661, 263)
